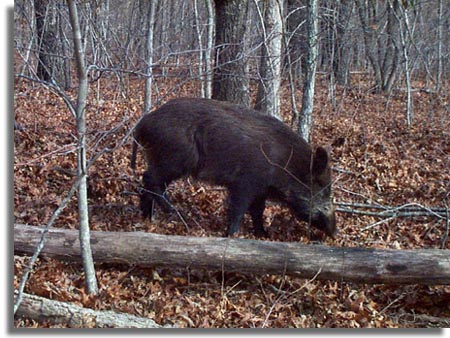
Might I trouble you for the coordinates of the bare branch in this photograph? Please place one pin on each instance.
(404, 210)
(39, 308)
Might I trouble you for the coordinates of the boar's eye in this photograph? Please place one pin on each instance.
(322, 190)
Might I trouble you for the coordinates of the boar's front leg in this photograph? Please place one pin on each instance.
(153, 191)
(238, 203)
(256, 210)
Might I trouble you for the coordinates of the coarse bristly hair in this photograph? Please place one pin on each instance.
(254, 156)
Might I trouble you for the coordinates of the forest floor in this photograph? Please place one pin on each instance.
(377, 160)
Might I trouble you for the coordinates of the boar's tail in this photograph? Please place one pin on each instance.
(133, 155)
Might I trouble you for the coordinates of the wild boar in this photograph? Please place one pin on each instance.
(255, 156)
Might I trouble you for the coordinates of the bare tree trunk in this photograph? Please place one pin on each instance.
(295, 49)
(370, 34)
(268, 96)
(404, 32)
(391, 61)
(359, 265)
(46, 34)
(66, 65)
(292, 89)
(198, 31)
(100, 23)
(209, 48)
(343, 47)
(305, 122)
(230, 77)
(381, 38)
(88, 264)
(332, 46)
(149, 56)
(439, 52)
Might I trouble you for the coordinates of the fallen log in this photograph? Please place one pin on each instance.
(74, 316)
(421, 266)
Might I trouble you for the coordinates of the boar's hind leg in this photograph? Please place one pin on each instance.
(256, 210)
(153, 191)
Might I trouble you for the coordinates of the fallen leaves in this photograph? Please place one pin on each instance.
(377, 160)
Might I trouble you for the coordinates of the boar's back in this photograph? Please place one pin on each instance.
(221, 142)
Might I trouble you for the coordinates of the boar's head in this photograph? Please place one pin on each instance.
(310, 199)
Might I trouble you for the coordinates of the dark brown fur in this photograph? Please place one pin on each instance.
(255, 156)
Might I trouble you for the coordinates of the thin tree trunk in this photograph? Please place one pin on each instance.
(268, 96)
(404, 32)
(439, 56)
(381, 33)
(209, 48)
(149, 56)
(343, 49)
(405, 47)
(391, 61)
(370, 33)
(45, 40)
(198, 31)
(305, 122)
(292, 87)
(65, 49)
(88, 263)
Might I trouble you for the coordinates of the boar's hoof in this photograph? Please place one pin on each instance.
(261, 233)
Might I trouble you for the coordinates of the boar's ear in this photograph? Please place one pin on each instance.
(320, 161)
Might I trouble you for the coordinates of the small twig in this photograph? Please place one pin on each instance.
(105, 134)
(392, 303)
(361, 205)
(447, 223)
(284, 294)
(354, 193)
(110, 150)
(63, 150)
(278, 297)
(169, 204)
(284, 168)
(55, 88)
(373, 225)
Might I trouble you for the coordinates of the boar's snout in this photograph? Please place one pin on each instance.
(321, 215)
(325, 220)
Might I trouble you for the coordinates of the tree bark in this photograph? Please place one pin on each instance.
(391, 61)
(370, 33)
(230, 81)
(83, 215)
(42, 309)
(149, 56)
(439, 46)
(343, 42)
(421, 266)
(305, 122)
(209, 48)
(268, 96)
(404, 29)
(45, 40)
(381, 39)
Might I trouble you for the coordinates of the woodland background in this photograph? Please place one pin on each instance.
(370, 79)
